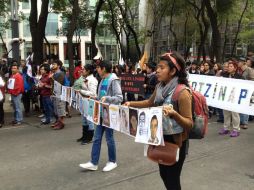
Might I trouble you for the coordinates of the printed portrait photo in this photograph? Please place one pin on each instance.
(105, 115)
(124, 118)
(133, 118)
(154, 130)
(114, 117)
(90, 110)
(96, 113)
(142, 131)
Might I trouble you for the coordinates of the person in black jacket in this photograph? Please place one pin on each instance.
(151, 79)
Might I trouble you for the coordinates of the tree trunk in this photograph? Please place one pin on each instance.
(225, 40)
(239, 27)
(37, 28)
(94, 26)
(130, 28)
(175, 44)
(216, 37)
(113, 25)
(48, 44)
(71, 29)
(3, 43)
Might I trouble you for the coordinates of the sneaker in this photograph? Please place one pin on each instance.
(244, 126)
(109, 166)
(89, 166)
(42, 115)
(223, 131)
(17, 123)
(234, 133)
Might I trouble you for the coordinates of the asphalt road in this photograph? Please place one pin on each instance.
(38, 158)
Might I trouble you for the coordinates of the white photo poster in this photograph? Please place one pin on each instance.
(133, 118)
(114, 117)
(105, 115)
(57, 89)
(124, 119)
(68, 95)
(96, 113)
(73, 98)
(64, 93)
(81, 105)
(90, 110)
(155, 132)
(143, 125)
(11, 83)
(85, 106)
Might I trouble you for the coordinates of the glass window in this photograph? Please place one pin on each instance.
(26, 27)
(52, 25)
(26, 5)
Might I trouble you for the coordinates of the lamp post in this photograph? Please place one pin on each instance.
(15, 30)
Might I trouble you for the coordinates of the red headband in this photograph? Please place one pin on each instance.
(173, 60)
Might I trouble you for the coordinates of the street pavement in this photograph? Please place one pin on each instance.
(35, 157)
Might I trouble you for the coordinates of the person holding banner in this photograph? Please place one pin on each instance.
(247, 74)
(171, 71)
(109, 91)
(229, 116)
(87, 88)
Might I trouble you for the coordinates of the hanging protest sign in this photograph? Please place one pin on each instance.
(124, 118)
(114, 117)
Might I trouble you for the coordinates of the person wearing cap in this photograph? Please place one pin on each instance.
(87, 86)
(231, 117)
(151, 79)
(170, 72)
(110, 92)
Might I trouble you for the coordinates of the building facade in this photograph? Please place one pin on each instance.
(57, 46)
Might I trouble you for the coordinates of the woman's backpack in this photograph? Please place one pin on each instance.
(199, 111)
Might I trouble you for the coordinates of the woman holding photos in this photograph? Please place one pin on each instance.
(171, 72)
(109, 92)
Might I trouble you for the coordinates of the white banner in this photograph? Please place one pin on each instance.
(225, 93)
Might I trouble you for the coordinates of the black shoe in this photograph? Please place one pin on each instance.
(89, 137)
(86, 141)
(220, 121)
(80, 139)
(45, 123)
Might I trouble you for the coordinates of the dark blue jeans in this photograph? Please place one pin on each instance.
(48, 107)
(96, 149)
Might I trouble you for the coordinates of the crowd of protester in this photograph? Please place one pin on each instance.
(101, 80)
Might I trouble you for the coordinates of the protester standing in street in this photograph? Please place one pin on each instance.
(109, 91)
(59, 106)
(230, 117)
(87, 86)
(171, 71)
(16, 88)
(45, 88)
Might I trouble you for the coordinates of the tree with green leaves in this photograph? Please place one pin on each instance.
(4, 24)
